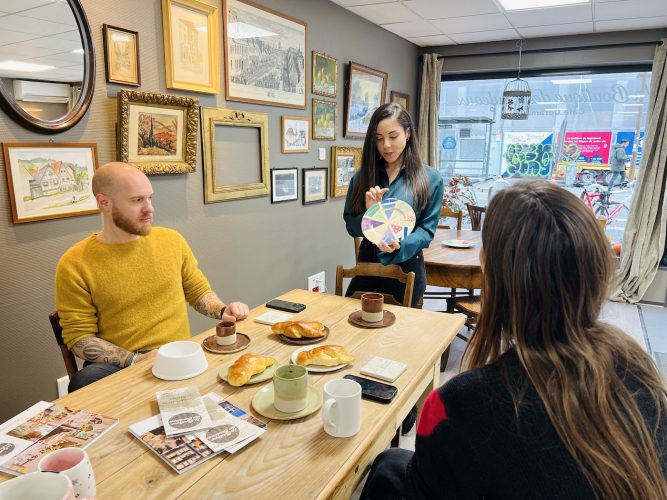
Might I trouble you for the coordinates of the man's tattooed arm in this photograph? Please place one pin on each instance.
(96, 350)
(210, 305)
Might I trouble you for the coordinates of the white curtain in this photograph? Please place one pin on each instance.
(644, 239)
(428, 108)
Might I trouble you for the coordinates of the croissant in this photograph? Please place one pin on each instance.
(247, 366)
(326, 355)
(299, 329)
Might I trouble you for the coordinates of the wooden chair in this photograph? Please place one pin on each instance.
(475, 212)
(448, 212)
(357, 244)
(68, 357)
(380, 271)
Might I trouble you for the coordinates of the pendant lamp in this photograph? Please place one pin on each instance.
(516, 96)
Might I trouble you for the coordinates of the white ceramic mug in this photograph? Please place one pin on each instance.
(42, 485)
(75, 464)
(341, 412)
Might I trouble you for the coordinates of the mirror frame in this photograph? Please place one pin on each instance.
(22, 117)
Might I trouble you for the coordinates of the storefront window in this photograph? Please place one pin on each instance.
(574, 122)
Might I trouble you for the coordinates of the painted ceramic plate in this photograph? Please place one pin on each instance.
(315, 368)
(391, 220)
(458, 243)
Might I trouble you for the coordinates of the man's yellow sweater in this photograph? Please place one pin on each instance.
(131, 294)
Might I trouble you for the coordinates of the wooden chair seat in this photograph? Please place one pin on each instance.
(68, 357)
(470, 306)
(379, 271)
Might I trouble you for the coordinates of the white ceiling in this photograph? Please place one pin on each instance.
(40, 32)
(451, 22)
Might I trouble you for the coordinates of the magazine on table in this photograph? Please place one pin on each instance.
(182, 411)
(232, 429)
(46, 427)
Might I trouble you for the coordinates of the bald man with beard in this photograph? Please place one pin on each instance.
(121, 293)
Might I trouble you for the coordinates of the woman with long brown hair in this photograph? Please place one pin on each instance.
(553, 403)
(391, 166)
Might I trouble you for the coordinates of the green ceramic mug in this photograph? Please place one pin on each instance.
(290, 385)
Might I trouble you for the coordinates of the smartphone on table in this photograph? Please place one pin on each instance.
(373, 390)
(285, 305)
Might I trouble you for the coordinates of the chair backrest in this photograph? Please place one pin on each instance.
(475, 212)
(68, 357)
(448, 212)
(378, 270)
(357, 244)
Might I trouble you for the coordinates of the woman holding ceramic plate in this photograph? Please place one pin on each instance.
(391, 167)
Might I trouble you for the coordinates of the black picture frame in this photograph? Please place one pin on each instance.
(314, 188)
(284, 184)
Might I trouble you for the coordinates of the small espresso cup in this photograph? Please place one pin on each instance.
(75, 464)
(225, 333)
(341, 413)
(290, 385)
(372, 305)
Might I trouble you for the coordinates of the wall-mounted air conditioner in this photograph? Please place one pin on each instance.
(25, 90)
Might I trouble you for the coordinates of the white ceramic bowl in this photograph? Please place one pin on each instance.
(179, 360)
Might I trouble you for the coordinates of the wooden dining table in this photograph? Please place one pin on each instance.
(293, 459)
(454, 267)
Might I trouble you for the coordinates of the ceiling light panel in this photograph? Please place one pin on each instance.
(537, 4)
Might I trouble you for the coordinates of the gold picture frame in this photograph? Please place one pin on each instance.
(365, 92)
(158, 132)
(324, 119)
(325, 74)
(345, 161)
(295, 134)
(224, 179)
(50, 180)
(121, 55)
(191, 45)
(400, 98)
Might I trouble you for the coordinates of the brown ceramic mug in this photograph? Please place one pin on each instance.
(372, 305)
(225, 333)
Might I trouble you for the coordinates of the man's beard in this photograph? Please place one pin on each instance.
(129, 226)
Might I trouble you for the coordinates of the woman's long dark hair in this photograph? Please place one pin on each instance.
(371, 160)
(546, 274)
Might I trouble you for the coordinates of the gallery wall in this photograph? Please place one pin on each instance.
(250, 249)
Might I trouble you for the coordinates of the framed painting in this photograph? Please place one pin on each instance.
(324, 119)
(314, 185)
(366, 89)
(158, 132)
(265, 55)
(295, 134)
(236, 154)
(345, 161)
(121, 56)
(283, 184)
(50, 180)
(191, 45)
(400, 98)
(325, 74)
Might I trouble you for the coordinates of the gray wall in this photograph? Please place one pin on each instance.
(249, 249)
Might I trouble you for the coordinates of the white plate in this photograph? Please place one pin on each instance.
(182, 377)
(315, 368)
(390, 220)
(458, 243)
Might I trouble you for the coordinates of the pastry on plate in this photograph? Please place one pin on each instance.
(299, 329)
(247, 366)
(326, 355)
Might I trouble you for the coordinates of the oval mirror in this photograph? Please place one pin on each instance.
(47, 63)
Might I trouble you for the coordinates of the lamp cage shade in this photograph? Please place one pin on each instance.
(516, 100)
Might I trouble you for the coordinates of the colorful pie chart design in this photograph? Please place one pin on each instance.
(388, 221)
